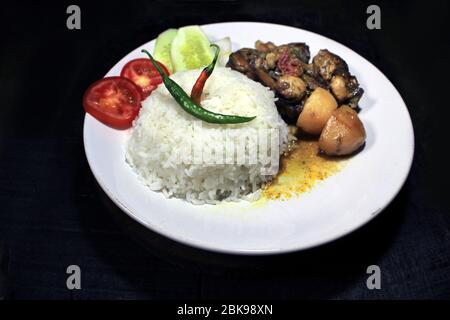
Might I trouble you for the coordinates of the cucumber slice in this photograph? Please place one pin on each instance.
(190, 49)
(162, 48)
(225, 50)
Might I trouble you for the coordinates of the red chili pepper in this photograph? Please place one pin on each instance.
(197, 89)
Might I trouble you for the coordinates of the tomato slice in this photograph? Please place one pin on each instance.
(143, 74)
(115, 101)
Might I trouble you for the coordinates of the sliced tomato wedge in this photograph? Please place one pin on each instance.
(115, 101)
(143, 74)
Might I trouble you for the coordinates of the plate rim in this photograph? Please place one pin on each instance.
(273, 251)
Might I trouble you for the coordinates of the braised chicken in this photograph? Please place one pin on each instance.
(308, 93)
(291, 87)
(287, 70)
(334, 70)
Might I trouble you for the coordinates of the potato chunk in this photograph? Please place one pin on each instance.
(343, 133)
(317, 110)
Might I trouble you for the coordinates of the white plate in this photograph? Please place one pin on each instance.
(332, 209)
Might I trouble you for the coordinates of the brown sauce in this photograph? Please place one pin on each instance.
(300, 170)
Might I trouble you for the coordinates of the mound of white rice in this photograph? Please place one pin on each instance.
(169, 148)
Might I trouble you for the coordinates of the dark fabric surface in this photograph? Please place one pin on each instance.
(53, 214)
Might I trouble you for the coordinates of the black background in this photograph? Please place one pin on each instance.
(53, 214)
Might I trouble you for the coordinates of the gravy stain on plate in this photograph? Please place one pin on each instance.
(300, 171)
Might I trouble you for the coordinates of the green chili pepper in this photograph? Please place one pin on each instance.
(189, 106)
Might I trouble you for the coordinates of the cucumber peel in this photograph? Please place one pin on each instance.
(162, 48)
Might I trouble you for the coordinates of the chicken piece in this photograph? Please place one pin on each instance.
(354, 100)
(300, 50)
(290, 87)
(328, 64)
(289, 110)
(338, 86)
(343, 87)
(264, 47)
(308, 68)
(334, 71)
(265, 78)
(346, 90)
(271, 60)
(238, 62)
(313, 83)
(244, 59)
(260, 62)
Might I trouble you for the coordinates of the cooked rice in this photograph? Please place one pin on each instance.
(163, 128)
